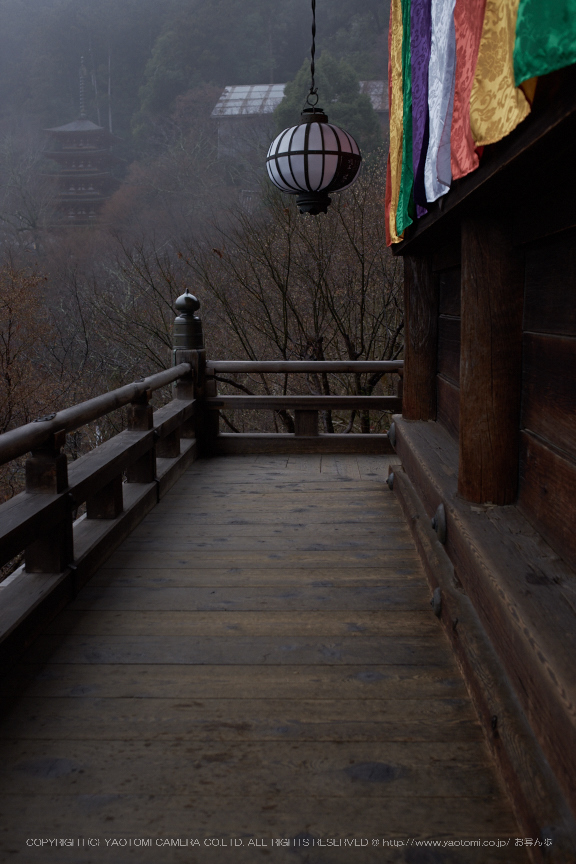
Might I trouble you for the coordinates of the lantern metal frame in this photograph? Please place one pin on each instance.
(313, 197)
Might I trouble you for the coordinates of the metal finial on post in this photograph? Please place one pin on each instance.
(187, 326)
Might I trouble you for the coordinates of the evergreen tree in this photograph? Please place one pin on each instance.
(339, 96)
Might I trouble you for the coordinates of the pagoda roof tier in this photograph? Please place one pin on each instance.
(61, 155)
(78, 173)
(82, 196)
(72, 201)
(82, 126)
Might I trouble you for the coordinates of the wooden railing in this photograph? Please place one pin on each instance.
(123, 478)
(305, 407)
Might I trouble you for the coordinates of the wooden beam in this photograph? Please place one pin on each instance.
(306, 403)
(420, 339)
(299, 366)
(490, 362)
(231, 443)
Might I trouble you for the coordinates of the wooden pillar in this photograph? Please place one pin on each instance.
(187, 386)
(420, 339)
(490, 362)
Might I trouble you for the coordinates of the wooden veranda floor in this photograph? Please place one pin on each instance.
(258, 661)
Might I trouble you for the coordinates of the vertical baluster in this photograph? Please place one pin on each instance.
(305, 422)
(47, 473)
(140, 419)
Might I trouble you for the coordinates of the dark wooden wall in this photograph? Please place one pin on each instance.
(447, 273)
(548, 422)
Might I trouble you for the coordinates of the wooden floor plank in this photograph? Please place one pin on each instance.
(255, 559)
(394, 573)
(242, 650)
(369, 770)
(361, 682)
(282, 623)
(259, 659)
(266, 598)
(290, 534)
(242, 720)
(267, 814)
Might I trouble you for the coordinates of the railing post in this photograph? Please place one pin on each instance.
(47, 473)
(189, 348)
(305, 423)
(140, 419)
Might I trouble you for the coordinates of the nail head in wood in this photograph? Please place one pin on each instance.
(438, 523)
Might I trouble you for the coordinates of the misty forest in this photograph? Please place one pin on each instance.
(86, 296)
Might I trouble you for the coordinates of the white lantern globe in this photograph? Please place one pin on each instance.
(312, 159)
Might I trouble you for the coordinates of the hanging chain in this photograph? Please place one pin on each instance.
(313, 88)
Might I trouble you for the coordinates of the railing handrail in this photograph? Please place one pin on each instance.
(18, 442)
(306, 403)
(304, 366)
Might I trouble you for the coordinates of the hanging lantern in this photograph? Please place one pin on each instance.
(315, 157)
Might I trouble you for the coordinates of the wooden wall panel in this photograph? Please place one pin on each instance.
(549, 305)
(447, 380)
(549, 389)
(449, 348)
(547, 494)
(448, 405)
(421, 339)
(491, 362)
(449, 292)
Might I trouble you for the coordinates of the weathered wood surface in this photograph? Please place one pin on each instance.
(322, 403)
(490, 362)
(448, 405)
(449, 348)
(522, 591)
(421, 339)
(251, 688)
(550, 278)
(299, 366)
(234, 444)
(549, 390)
(449, 290)
(546, 495)
(538, 799)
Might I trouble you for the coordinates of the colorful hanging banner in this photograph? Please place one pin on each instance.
(405, 213)
(396, 114)
(545, 37)
(468, 20)
(441, 73)
(462, 75)
(497, 106)
(421, 36)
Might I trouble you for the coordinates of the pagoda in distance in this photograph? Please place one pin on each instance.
(82, 151)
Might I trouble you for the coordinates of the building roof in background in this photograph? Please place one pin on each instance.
(249, 99)
(254, 99)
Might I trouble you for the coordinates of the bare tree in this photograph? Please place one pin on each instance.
(27, 191)
(295, 287)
